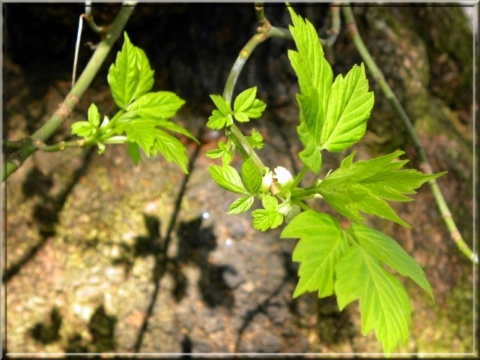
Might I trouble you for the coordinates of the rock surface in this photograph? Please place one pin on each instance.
(102, 256)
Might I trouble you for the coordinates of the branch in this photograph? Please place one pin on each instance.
(16, 159)
(397, 107)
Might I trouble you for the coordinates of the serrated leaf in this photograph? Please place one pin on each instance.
(171, 126)
(171, 149)
(332, 116)
(349, 107)
(133, 152)
(228, 178)
(145, 74)
(251, 176)
(256, 110)
(138, 130)
(221, 104)
(367, 186)
(255, 139)
(268, 217)
(93, 115)
(218, 121)
(245, 100)
(83, 129)
(322, 243)
(241, 205)
(389, 252)
(313, 70)
(311, 157)
(157, 105)
(123, 75)
(384, 303)
(246, 107)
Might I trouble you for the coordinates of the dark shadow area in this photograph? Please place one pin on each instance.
(46, 214)
(48, 332)
(102, 331)
(186, 347)
(195, 244)
(143, 246)
(161, 259)
(333, 326)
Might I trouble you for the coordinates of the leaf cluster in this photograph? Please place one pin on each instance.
(143, 121)
(356, 262)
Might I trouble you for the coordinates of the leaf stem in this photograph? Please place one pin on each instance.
(299, 177)
(16, 159)
(397, 107)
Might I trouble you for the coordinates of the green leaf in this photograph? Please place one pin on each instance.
(269, 217)
(246, 107)
(130, 76)
(223, 151)
(311, 157)
(245, 100)
(221, 104)
(332, 117)
(241, 205)
(322, 244)
(251, 176)
(171, 149)
(145, 74)
(218, 120)
(133, 152)
(83, 129)
(367, 185)
(349, 107)
(171, 126)
(389, 252)
(255, 139)
(384, 303)
(228, 178)
(93, 116)
(157, 105)
(138, 130)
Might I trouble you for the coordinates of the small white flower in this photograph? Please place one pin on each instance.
(266, 181)
(283, 176)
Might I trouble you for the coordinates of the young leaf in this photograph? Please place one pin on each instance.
(171, 148)
(389, 252)
(322, 244)
(384, 303)
(221, 104)
(145, 74)
(313, 71)
(93, 116)
(366, 185)
(83, 129)
(252, 179)
(131, 76)
(133, 152)
(349, 107)
(218, 120)
(241, 205)
(268, 217)
(332, 117)
(157, 105)
(246, 107)
(255, 139)
(228, 178)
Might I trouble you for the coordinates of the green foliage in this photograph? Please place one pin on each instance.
(366, 185)
(143, 120)
(354, 262)
(332, 116)
(245, 107)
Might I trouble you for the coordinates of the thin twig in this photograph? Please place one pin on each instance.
(397, 107)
